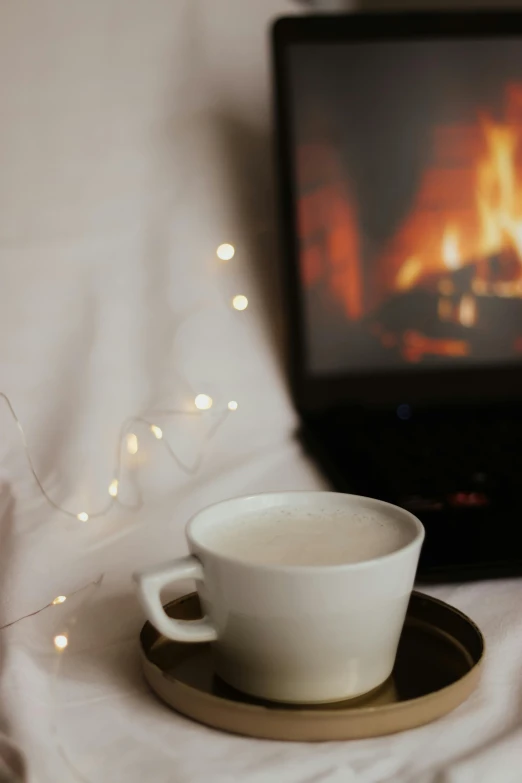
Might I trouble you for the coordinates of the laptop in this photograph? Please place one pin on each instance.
(399, 142)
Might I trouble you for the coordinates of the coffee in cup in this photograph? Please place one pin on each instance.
(304, 593)
(315, 537)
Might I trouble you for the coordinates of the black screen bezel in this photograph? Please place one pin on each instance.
(495, 383)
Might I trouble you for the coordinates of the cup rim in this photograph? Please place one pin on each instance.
(417, 539)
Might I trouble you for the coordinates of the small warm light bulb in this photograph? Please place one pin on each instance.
(61, 641)
(232, 405)
(240, 302)
(156, 431)
(132, 443)
(203, 402)
(225, 252)
(83, 516)
(113, 488)
(59, 599)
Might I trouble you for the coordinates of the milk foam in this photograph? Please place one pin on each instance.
(298, 536)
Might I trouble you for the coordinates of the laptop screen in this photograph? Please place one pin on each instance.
(407, 176)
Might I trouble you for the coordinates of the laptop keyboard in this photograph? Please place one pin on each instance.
(434, 459)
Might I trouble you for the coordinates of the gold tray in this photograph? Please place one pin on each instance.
(437, 667)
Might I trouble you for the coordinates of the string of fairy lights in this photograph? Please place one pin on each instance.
(128, 440)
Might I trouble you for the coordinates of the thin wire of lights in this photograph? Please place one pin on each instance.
(61, 641)
(132, 443)
(60, 599)
(192, 469)
(60, 644)
(127, 440)
(156, 431)
(240, 302)
(225, 252)
(113, 488)
(203, 402)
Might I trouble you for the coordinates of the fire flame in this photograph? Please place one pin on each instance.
(450, 249)
(480, 226)
(487, 226)
(496, 191)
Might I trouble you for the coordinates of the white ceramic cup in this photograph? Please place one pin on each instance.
(292, 633)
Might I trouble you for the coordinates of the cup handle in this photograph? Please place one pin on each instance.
(149, 584)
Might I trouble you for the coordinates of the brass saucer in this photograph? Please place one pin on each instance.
(438, 666)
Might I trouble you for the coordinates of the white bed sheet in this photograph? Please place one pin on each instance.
(134, 140)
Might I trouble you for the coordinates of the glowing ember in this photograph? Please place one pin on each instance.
(446, 287)
(417, 345)
(409, 273)
(467, 311)
(444, 309)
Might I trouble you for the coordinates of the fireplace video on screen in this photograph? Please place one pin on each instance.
(408, 182)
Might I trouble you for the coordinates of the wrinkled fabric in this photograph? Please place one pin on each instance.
(134, 139)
